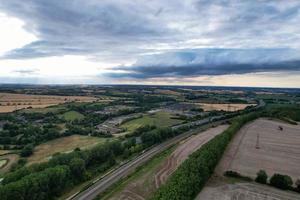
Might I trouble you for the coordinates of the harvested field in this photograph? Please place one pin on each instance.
(11, 102)
(65, 144)
(276, 149)
(183, 151)
(10, 160)
(143, 186)
(278, 152)
(223, 106)
(244, 191)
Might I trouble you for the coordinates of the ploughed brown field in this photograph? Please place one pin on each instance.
(11, 102)
(258, 145)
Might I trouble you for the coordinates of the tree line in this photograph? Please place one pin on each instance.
(48, 180)
(36, 181)
(191, 176)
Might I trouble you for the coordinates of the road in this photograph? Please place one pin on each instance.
(126, 169)
(129, 167)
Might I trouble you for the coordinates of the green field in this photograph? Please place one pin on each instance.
(66, 144)
(72, 115)
(159, 119)
(3, 162)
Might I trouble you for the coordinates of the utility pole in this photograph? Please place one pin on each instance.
(257, 142)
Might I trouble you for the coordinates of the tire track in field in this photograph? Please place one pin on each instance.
(183, 151)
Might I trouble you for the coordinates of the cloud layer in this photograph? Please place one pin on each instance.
(126, 28)
(164, 38)
(211, 62)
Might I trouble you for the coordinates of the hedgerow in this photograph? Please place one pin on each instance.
(189, 179)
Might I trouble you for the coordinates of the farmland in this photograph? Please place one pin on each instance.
(275, 148)
(159, 119)
(10, 102)
(3, 163)
(276, 151)
(65, 144)
(144, 185)
(223, 106)
(244, 191)
(72, 115)
(33, 136)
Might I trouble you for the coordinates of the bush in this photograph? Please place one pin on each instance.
(298, 186)
(237, 175)
(232, 174)
(27, 150)
(261, 177)
(280, 181)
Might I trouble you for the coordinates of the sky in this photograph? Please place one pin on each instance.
(178, 42)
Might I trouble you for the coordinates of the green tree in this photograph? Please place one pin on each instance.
(298, 185)
(27, 150)
(77, 166)
(280, 181)
(261, 177)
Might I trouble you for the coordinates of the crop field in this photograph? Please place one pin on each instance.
(72, 115)
(51, 109)
(276, 149)
(168, 92)
(223, 106)
(278, 152)
(65, 144)
(244, 191)
(6, 161)
(143, 186)
(11, 102)
(159, 119)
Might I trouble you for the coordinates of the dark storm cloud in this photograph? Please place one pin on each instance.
(211, 62)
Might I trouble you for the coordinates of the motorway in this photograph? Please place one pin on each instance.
(124, 170)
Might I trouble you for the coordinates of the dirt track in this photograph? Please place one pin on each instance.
(144, 186)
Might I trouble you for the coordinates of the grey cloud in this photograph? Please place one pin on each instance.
(125, 29)
(191, 63)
